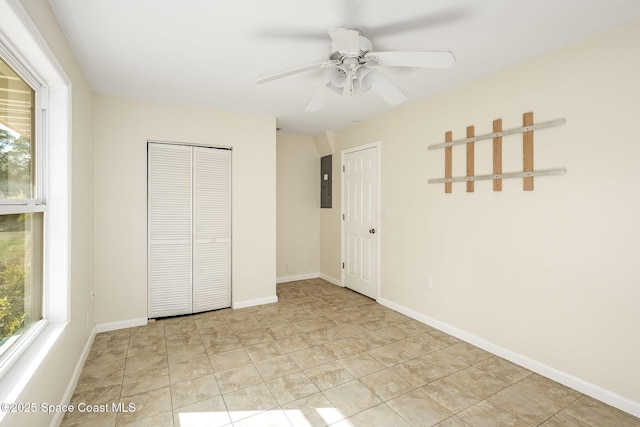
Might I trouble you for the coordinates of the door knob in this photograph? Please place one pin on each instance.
(372, 231)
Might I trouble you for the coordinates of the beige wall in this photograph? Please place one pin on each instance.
(52, 380)
(297, 207)
(122, 128)
(330, 231)
(551, 275)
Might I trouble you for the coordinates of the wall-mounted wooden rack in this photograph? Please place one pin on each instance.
(527, 129)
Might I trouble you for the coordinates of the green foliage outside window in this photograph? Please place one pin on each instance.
(15, 183)
(13, 275)
(15, 166)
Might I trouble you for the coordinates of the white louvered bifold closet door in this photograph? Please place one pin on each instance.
(212, 229)
(189, 199)
(169, 228)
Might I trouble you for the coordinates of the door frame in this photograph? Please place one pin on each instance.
(378, 146)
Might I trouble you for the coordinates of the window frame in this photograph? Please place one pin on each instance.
(40, 107)
(36, 204)
(27, 52)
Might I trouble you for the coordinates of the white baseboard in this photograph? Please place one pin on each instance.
(330, 279)
(285, 279)
(68, 394)
(575, 383)
(253, 302)
(122, 324)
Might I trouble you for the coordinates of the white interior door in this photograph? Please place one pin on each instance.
(212, 229)
(360, 220)
(169, 229)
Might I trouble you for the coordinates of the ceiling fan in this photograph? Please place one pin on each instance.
(352, 68)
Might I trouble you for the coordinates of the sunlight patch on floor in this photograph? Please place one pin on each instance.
(222, 418)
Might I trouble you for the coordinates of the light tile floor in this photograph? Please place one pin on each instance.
(322, 355)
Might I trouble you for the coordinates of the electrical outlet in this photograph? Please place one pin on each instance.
(286, 265)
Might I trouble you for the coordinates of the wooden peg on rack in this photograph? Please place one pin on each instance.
(470, 158)
(527, 151)
(448, 154)
(497, 155)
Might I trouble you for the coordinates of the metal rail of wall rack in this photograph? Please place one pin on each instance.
(541, 172)
(514, 131)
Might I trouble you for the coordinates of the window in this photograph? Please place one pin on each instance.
(22, 210)
(35, 204)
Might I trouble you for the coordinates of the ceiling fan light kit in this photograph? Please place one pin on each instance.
(351, 68)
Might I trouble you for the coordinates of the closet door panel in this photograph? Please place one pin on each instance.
(170, 280)
(169, 227)
(212, 229)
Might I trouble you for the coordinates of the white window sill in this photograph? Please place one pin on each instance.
(22, 366)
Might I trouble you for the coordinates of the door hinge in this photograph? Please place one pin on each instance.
(343, 217)
(343, 168)
(343, 265)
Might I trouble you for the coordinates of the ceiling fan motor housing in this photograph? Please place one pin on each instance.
(365, 46)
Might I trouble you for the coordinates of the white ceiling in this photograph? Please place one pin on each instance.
(209, 52)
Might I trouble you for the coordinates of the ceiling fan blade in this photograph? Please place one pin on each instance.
(345, 40)
(387, 90)
(298, 34)
(429, 21)
(319, 99)
(295, 71)
(412, 59)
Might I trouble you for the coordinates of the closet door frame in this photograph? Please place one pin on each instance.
(191, 147)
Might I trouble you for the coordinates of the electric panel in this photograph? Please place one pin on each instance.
(325, 181)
